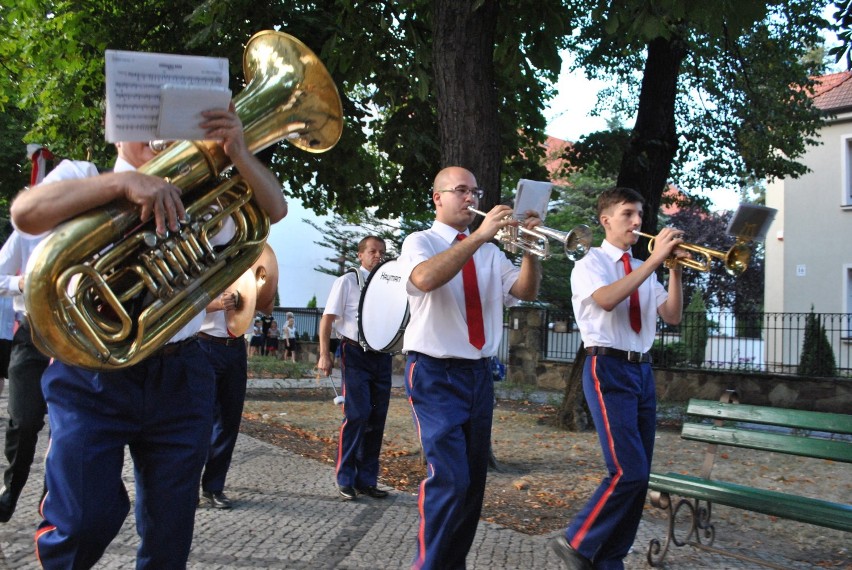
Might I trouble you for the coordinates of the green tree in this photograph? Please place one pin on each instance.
(312, 304)
(695, 329)
(401, 124)
(817, 354)
(724, 87)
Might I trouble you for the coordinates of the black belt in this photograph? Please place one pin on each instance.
(347, 340)
(628, 355)
(221, 340)
(173, 347)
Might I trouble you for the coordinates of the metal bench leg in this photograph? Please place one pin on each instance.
(701, 531)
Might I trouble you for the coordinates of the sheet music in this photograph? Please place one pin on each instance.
(134, 81)
(532, 195)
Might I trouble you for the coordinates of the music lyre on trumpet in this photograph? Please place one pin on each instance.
(535, 241)
(735, 259)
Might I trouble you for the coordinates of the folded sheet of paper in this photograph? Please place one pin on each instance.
(147, 91)
(532, 195)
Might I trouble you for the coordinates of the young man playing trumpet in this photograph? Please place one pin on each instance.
(616, 302)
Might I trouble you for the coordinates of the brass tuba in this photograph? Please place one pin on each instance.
(103, 294)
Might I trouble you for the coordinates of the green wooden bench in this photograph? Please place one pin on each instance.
(817, 435)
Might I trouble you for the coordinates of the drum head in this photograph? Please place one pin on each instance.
(383, 310)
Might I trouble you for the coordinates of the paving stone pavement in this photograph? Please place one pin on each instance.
(287, 515)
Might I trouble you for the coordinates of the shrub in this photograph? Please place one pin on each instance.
(817, 354)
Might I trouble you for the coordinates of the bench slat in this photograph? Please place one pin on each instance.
(802, 419)
(793, 507)
(837, 450)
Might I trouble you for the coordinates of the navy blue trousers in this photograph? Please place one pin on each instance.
(230, 366)
(366, 397)
(162, 410)
(622, 400)
(452, 403)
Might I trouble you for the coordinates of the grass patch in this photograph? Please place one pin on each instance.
(271, 367)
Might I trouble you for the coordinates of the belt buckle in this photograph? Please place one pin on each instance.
(634, 357)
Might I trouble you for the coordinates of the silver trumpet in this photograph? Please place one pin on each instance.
(536, 241)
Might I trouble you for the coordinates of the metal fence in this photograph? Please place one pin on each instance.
(809, 344)
(307, 326)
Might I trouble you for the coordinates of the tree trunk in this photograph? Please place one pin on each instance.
(573, 414)
(647, 161)
(463, 46)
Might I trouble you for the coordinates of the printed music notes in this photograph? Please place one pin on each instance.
(153, 96)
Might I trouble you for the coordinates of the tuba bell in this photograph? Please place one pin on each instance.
(102, 293)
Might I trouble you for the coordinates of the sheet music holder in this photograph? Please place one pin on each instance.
(532, 195)
(751, 222)
(140, 87)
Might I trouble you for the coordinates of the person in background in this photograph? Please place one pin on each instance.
(272, 339)
(7, 333)
(227, 354)
(26, 364)
(161, 408)
(458, 286)
(256, 341)
(366, 379)
(616, 301)
(292, 338)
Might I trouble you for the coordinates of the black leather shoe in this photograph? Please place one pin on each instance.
(373, 491)
(216, 500)
(573, 560)
(347, 493)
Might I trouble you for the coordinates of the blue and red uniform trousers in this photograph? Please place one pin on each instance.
(367, 379)
(161, 409)
(452, 404)
(622, 401)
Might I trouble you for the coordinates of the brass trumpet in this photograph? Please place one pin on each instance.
(735, 259)
(535, 241)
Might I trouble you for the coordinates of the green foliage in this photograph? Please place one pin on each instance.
(379, 55)
(741, 106)
(312, 304)
(817, 355)
(694, 327)
(669, 354)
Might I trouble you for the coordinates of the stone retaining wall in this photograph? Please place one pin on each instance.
(527, 371)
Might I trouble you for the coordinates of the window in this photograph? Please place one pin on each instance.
(846, 171)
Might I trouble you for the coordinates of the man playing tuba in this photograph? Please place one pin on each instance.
(161, 408)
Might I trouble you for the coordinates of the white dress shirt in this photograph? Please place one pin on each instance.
(438, 323)
(600, 267)
(343, 301)
(72, 170)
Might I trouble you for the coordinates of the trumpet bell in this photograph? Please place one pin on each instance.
(737, 259)
(577, 242)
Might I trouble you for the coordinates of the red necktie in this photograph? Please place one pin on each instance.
(473, 306)
(635, 313)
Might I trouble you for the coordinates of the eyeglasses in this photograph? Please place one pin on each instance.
(463, 191)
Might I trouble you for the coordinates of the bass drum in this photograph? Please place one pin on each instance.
(383, 309)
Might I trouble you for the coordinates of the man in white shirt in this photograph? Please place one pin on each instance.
(366, 379)
(616, 301)
(161, 408)
(26, 404)
(453, 332)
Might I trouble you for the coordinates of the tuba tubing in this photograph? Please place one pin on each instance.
(103, 292)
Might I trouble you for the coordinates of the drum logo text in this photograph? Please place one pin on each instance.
(390, 278)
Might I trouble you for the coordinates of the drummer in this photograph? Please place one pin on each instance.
(366, 380)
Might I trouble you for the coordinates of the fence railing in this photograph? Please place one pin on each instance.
(808, 344)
